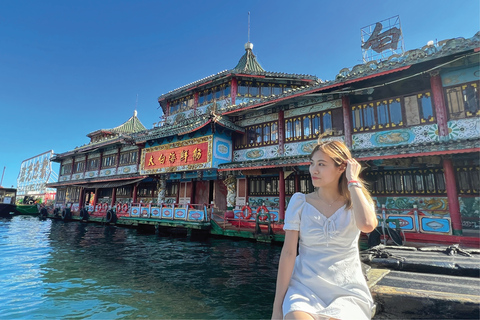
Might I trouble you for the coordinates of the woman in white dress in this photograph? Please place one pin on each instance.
(325, 280)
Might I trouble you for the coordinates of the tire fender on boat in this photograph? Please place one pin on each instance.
(111, 216)
(43, 212)
(375, 235)
(84, 214)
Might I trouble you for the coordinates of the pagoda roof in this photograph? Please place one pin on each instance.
(248, 62)
(185, 126)
(121, 134)
(247, 66)
(132, 125)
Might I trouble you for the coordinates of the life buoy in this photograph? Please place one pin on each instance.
(249, 214)
(125, 207)
(261, 215)
(98, 207)
(111, 216)
(104, 207)
(118, 207)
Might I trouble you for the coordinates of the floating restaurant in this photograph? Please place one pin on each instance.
(232, 148)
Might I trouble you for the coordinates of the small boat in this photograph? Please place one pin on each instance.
(447, 260)
(7, 202)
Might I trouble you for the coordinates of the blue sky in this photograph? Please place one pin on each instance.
(68, 68)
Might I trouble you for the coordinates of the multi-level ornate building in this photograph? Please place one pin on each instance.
(242, 137)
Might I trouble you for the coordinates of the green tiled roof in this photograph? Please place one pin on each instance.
(248, 62)
(132, 125)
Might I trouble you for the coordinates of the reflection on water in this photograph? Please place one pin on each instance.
(52, 269)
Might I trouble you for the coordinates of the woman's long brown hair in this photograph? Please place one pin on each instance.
(339, 153)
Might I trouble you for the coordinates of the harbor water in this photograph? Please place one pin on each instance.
(58, 270)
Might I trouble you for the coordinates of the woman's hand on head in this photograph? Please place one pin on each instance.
(353, 169)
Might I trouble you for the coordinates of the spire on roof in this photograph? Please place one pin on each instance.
(248, 62)
(132, 125)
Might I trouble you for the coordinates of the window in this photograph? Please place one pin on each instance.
(414, 182)
(124, 192)
(66, 169)
(311, 125)
(258, 135)
(266, 91)
(263, 186)
(258, 89)
(92, 164)
(463, 101)
(468, 180)
(171, 190)
(419, 109)
(105, 193)
(306, 185)
(109, 161)
(127, 158)
(79, 167)
(402, 111)
(145, 191)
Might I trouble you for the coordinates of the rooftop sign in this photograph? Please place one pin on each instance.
(382, 39)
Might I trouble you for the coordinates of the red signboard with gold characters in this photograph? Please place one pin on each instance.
(181, 155)
(186, 155)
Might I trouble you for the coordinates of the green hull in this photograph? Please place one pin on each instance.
(27, 209)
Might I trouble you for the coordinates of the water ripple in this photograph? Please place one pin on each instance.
(51, 269)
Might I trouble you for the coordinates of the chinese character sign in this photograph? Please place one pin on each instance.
(382, 39)
(34, 174)
(173, 157)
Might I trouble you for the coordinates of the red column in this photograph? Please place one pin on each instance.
(100, 164)
(85, 167)
(81, 200)
(297, 182)
(135, 189)
(452, 196)
(439, 104)
(73, 168)
(95, 198)
(281, 191)
(233, 90)
(347, 121)
(114, 197)
(195, 103)
(281, 133)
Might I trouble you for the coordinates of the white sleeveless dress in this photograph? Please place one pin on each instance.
(327, 280)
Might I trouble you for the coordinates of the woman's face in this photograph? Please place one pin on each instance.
(324, 171)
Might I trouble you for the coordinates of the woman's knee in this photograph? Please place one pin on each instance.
(299, 315)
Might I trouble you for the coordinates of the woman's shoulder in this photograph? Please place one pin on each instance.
(298, 197)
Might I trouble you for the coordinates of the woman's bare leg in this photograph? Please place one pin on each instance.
(300, 315)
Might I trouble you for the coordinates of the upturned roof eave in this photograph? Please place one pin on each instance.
(236, 72)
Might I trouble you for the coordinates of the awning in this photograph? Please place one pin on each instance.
(94, 184)
(108, 184)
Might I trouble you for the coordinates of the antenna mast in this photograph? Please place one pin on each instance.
(2, 176)
(248, 26)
